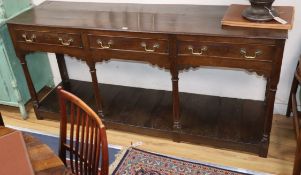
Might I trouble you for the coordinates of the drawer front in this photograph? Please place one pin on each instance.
(124, 43)
(64, 39)
(226, 50)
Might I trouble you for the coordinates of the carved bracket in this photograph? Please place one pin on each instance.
(186, 68)
(151, 63)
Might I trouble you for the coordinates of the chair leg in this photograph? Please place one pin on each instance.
(1, 120)
(297, 161)
(294, 88)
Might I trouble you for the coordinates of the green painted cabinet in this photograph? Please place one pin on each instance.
(13, 87)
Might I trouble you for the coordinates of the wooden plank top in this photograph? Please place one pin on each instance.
(43, 159)
(145, 18)
(233, 17)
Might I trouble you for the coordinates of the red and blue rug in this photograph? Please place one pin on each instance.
(139, 162)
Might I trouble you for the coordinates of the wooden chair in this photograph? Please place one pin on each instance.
(87, 136)
(292, 107)
(1, 120)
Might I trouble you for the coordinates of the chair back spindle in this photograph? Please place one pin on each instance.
(86, 136)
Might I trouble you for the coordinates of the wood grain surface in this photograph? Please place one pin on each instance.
(158, 35)
(233, 17)
(44, 161)
(149, 18)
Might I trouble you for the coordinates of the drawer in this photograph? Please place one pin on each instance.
(50, 38)
(226, 50)
(125, 43)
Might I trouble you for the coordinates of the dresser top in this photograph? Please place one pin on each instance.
(149, 18)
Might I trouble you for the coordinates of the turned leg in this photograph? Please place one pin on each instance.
(96, 89)
(63, 70)
(30, 85)
(269, 105)
(175, 83)
(272, 82)
(267, 90)
(175, 100)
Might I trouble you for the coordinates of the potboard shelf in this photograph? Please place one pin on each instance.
(237, 122)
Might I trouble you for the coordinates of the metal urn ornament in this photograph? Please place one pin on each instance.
(260, 10)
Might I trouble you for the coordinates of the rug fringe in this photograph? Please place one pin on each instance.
(117, 160)
(212, 167)
(120, 155)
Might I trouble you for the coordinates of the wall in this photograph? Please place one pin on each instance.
(229, 83)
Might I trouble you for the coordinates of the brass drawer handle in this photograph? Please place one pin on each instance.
(65, 43)
(155, 46)
(203, 50)
(108, 46)
(243, 52)
(30, 39)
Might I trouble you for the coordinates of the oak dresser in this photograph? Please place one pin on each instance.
(175, 38)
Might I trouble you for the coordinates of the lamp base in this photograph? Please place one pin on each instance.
(258, 10)
(258, 14)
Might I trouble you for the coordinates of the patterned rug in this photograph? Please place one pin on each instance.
(138, 162)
